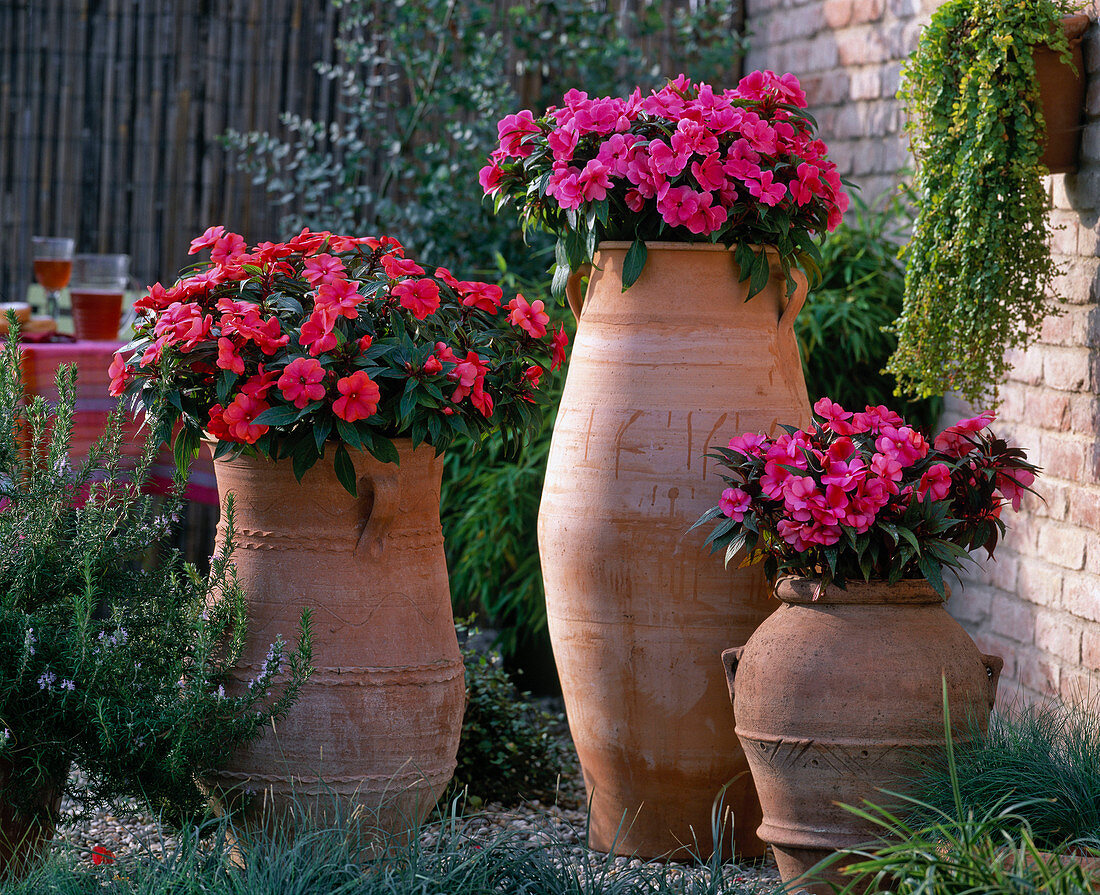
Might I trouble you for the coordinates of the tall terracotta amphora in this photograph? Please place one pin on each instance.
(375, 732)
(639, 611)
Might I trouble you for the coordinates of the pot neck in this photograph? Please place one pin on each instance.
(807, 591)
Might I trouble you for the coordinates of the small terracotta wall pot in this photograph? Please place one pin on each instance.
(375, 732)
(840, 697)
(659, 375)
(1062, 93)
(23, 839)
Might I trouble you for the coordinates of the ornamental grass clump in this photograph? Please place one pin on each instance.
(685, 163)
(111, 657)
(327, 342)
(865, 496)
(978, 266)
(1041, 759)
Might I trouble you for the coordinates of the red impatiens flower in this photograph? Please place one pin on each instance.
(359, 397)
(120, 375)
(239, 416)
(483, 296)
(532, 318)
(339, 298)
(229, 357)
(323, 268)
(101, 855)
(301, 381)
(208, 238)
(561, 339)
(419, 296)
(396, 268)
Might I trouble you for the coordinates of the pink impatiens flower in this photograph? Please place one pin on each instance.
(735, 503)
(419, 296)
(532, 318)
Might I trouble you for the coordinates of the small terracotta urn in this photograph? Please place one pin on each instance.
(839, 697)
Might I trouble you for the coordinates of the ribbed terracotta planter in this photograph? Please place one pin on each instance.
(659, 375)
(1062, 92)
(840, 697)
(23, 839)
(376, 728)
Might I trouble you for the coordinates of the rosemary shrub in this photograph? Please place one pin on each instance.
(978, 266)
(112, 656)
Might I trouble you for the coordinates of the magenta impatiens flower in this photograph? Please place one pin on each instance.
(532, 318)
(863, 495)
(741, 166)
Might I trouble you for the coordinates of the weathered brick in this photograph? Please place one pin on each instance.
(1056, 636)
(1062, 230)
(866, 83)
(1063, 456)
(1067, 369)
(1069, 325)
(970, 603)
(837, 13)
(1084, 508)
(1090, 648)
(1076, 284)
(1001, 571)
(867, 11)
(1081, 596)
(862, 46)
(993, 645)
(1027, 366)
(1039, 582)
(1012, 618)
(1083, 417)
(1076, 685)
(1038, 674)
(1062, 545)
(1046, 408)
(904, 9)
(826, 89)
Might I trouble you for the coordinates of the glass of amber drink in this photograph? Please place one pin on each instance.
(53, 265)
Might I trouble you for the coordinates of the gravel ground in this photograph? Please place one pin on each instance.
(558, 819)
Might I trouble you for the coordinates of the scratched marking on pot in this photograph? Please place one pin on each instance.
(619, 438)
(706, 444)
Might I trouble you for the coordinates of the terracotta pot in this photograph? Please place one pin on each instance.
(660, 374)
(376, 728)
(23, 839)
(838, 698)
(1062, 92)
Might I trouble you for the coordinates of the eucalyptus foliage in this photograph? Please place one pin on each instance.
(109, 659)
(978, 266)
(421, 85)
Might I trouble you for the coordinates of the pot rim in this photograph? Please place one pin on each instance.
(1075, 26)
(794, 589)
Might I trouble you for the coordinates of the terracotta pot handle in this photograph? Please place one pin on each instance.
(993, 666)
(379, 503)
(795, 301)
(730, 659)
(573, 292)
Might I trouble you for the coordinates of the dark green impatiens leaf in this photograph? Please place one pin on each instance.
(634, 263)
(345, 471)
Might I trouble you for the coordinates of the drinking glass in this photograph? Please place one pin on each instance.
(98, 285)
(53, 264)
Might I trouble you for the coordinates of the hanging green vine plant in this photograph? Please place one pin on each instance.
(978, 266)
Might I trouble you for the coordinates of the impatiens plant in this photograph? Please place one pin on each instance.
(863, 495)
(328, 342)
(686, 163)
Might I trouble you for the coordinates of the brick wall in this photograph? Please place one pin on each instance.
(1038, 604)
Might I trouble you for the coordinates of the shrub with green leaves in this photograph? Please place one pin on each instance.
(508, 750)
(107, 660)
(978, 266)
(842, 330)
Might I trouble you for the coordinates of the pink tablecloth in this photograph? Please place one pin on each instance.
(93, 403)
